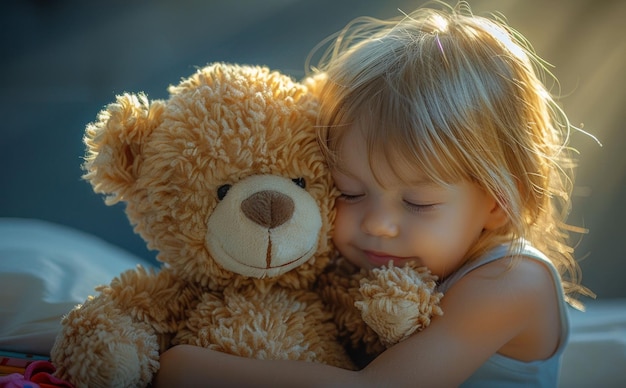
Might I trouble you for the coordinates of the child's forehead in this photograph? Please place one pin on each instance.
(384, 177)
(387, 164)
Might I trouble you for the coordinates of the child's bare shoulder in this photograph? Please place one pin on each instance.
(521, 278)
(508, 298)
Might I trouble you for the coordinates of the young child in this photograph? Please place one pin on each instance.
(449, 152)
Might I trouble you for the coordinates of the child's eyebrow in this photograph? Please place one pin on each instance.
(424, 182)
(417, 178)
(342, 171)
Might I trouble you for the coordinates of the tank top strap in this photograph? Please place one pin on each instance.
(518, 247)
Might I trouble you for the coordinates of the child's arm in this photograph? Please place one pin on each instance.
(494, 306)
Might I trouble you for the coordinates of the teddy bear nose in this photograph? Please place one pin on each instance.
(268, 208)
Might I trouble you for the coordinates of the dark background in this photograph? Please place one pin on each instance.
(63, 61)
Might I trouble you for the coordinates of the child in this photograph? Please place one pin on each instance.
(448, 151)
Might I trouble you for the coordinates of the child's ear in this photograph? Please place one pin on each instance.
(114, 142)
(497, 217)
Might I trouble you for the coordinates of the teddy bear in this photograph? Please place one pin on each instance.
(226, 181)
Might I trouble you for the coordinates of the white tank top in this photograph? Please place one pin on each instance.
(501, 371)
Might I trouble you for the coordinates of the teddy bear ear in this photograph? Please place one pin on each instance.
(114, 143)
(315, 83)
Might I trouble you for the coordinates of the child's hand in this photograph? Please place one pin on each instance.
(396, 302)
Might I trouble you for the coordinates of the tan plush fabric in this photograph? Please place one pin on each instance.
(212, 179)
(379, 308)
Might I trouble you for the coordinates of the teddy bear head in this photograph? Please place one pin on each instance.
(225, 178)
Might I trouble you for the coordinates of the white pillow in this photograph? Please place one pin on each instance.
(45, 270)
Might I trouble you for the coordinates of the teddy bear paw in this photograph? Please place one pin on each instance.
(99, 347)
(398, 301)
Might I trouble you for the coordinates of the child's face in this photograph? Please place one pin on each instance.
(432, 225)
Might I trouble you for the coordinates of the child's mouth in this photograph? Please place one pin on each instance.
(378, 259)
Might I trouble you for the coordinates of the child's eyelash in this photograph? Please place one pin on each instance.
(350, 197)
(418, 208)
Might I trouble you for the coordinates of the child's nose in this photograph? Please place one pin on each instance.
(380, 221)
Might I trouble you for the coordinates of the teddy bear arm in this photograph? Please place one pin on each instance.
(102, 346)
(115, 338)
(339, 288)
(397, 302)
(157, 298)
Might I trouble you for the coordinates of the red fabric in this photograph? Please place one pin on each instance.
(38, 374)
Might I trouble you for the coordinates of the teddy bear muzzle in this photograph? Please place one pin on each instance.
(264, 226)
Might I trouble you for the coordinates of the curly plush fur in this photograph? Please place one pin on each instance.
(379, 308)
(226, 181)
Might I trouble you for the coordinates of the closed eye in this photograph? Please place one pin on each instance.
(350, 197)
(419, 207)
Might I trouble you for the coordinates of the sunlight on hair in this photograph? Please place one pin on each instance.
(440, 23)
(424, 79)
(504, 37)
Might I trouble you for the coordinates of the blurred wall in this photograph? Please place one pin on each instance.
(62, 61)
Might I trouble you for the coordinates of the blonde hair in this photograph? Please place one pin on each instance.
(460, 97)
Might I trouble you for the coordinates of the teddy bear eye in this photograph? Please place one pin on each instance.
(300, 182)
(222, 191)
